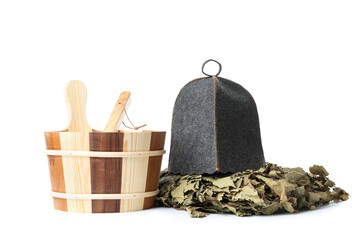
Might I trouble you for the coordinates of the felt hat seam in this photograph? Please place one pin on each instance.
(215, 121)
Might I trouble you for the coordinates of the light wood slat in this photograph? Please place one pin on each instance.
(134, 169)
(76, 170)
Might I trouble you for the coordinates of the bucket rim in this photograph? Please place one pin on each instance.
(101, 132)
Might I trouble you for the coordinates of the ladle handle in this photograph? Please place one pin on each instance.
(117, 115)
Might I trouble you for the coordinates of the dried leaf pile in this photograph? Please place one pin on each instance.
(271, 189)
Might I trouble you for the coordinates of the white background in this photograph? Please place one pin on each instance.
(297, 58)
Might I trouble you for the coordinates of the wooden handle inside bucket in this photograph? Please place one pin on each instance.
(76, 98)
(117, 115)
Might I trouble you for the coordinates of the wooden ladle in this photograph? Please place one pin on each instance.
(117, 115)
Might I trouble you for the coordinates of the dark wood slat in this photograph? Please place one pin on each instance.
(154, 167)
(106, 172)
(56, 169)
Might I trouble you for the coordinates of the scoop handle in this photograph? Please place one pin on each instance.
(76, 97)
(117, 115)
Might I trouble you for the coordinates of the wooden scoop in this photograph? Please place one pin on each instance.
(76, 97)
(117, 115)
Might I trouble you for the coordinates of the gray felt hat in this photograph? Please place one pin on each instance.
(215, 128)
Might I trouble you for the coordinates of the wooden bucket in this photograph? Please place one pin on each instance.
(104, 172)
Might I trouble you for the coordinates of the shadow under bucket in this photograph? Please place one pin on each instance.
(104, 172)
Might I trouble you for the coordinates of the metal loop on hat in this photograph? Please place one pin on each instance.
(211, 60)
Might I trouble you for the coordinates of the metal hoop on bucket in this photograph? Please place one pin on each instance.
(104, 196)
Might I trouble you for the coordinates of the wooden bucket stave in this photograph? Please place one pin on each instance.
(122, 184)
